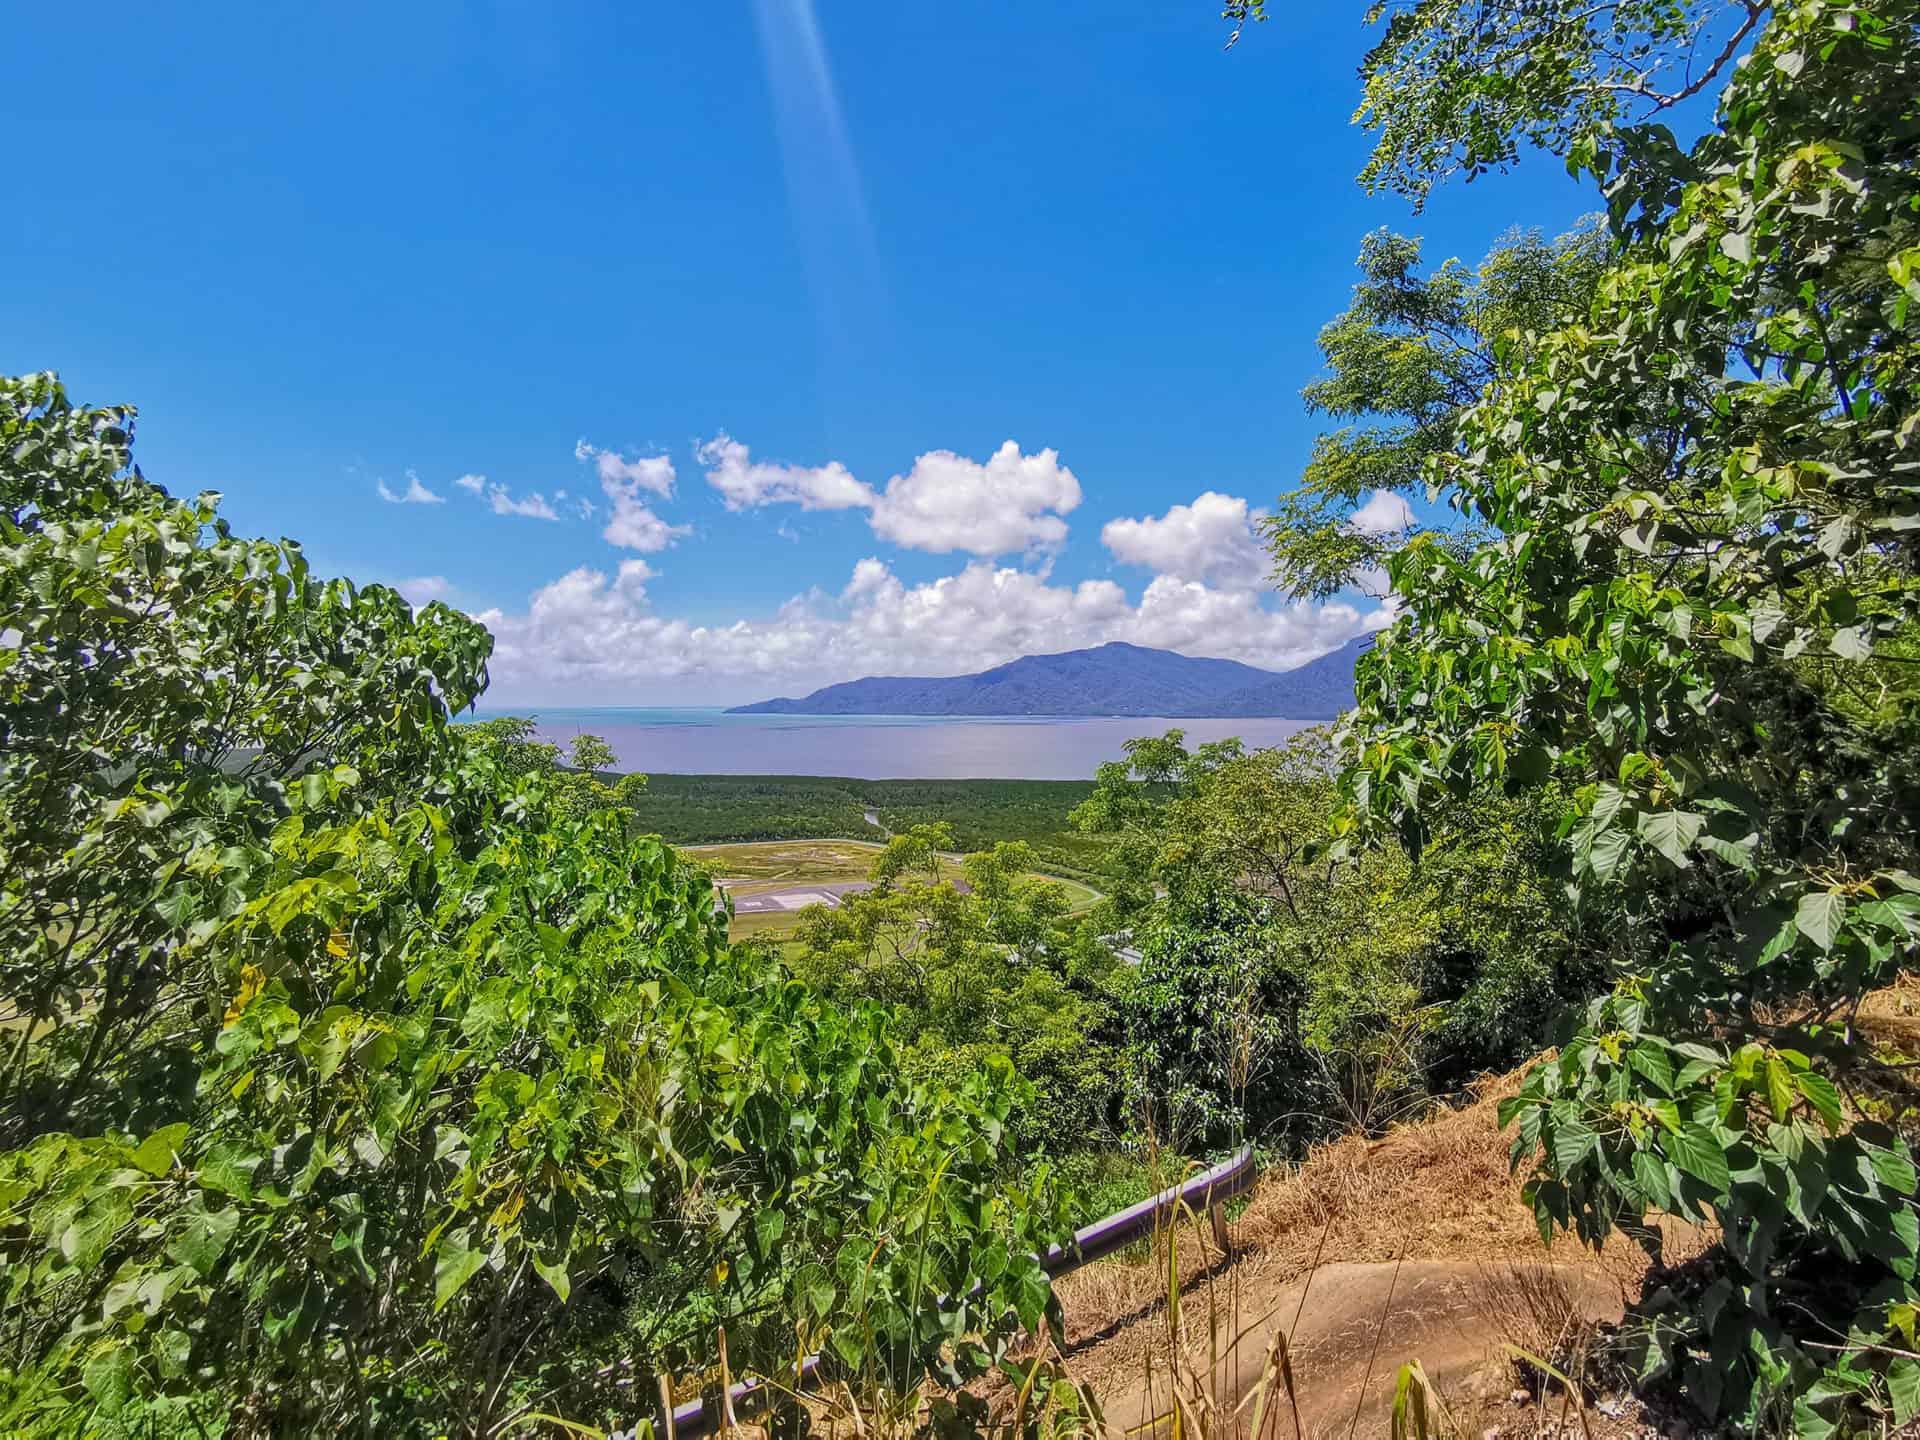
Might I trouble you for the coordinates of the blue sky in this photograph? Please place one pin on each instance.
(768, 285)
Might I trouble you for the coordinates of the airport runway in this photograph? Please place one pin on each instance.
(797, 897)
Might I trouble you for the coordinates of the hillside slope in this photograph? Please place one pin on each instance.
(1373, 1253)
(1369, 1254)
(1111, 679)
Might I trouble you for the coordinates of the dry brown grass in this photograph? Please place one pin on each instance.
(1437, 1188)
(1437, 1194)
(1533, 1311)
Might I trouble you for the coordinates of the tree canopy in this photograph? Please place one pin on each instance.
(1461, 87)
(1404, 361)
(1695, 611)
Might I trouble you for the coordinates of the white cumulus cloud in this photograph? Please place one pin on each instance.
(422, 590)
(1011, 503)
(869, 575)
(532, 507)
(595, 635)
(634, 526)
(472, 484)
(1008, 504)
(632, 523)
(1211, 539)
(652, 473)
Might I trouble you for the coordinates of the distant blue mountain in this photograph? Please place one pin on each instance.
(1317, 690)
(1112, 679)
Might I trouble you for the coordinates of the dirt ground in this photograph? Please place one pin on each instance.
(1368, 1255)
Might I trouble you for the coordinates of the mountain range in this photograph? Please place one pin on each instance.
(1112, 679)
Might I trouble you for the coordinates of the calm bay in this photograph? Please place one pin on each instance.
(878, 747)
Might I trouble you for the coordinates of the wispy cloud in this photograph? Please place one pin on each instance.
(531, 507)
(414, 494)
(652, 473)
(424, 589)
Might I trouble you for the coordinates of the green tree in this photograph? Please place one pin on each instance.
(362, 1078)
(1699, 612)
(1403, 361)
(168, 692)
(1217, 809)
(574, 784)
(998, 968)
(1460, 87)
(1213, 1025)
(1284, 991)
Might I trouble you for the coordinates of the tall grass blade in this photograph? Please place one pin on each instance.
(1567, 1386)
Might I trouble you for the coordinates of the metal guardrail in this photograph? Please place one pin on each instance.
(1201, 1193)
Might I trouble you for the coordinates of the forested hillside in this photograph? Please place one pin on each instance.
(1112, 679)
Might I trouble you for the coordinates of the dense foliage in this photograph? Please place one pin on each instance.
(1285, 994)
(1461, 87)
(572, 779)
(365, 1074)
(1697, 614)
(993, 969)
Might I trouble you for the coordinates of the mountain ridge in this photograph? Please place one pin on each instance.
(1116, 679)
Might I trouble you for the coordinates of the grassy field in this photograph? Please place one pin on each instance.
(763, 867)
(709, 809)
(768, 865)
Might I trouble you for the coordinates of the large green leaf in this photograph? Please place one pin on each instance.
(455, 1263)
(1820, 1094)
(1903, 1387)
(200, 1236)
(1572, 1143)
(1694, 1150)
(1650, 1173)
(156, 1153)
(1819, 917)
(1671, 832)
(108, 1377)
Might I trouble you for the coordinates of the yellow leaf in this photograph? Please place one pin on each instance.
(337, 945)
(252, 981)
(1903, 1318)
(508, 1210)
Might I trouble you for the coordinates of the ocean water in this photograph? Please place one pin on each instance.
(877, 747)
